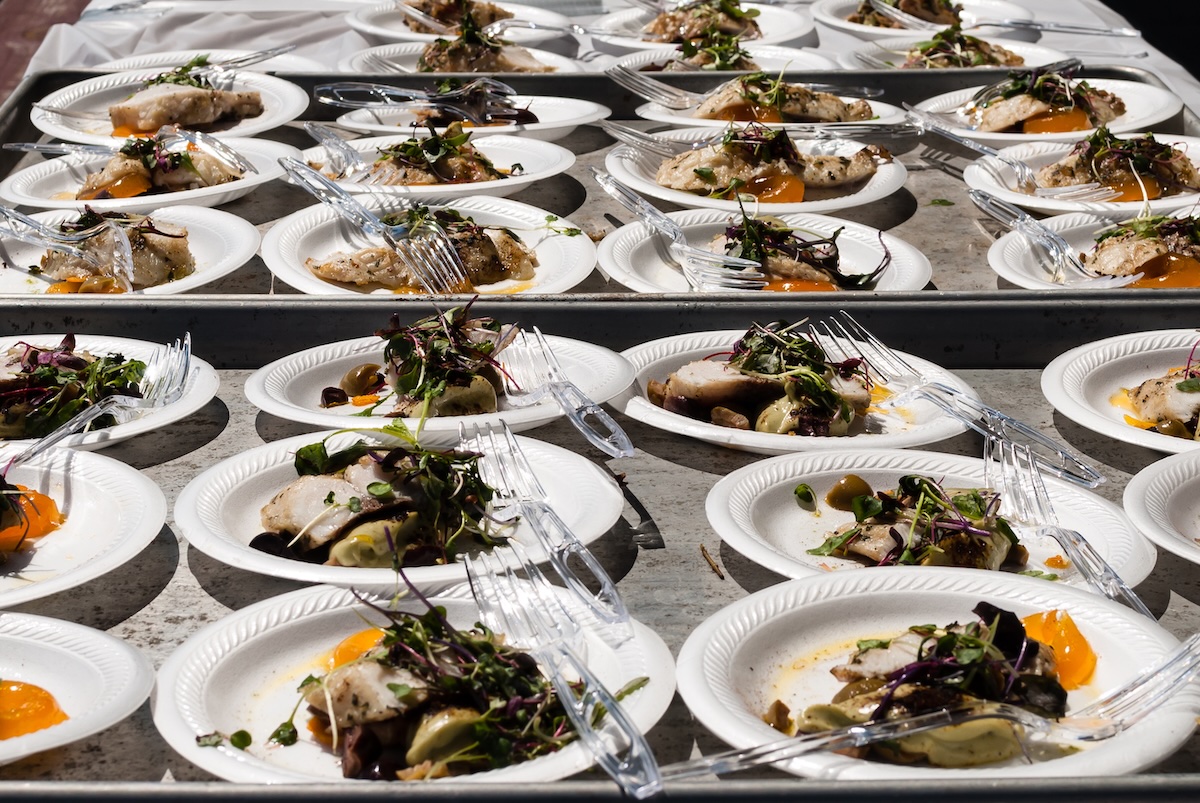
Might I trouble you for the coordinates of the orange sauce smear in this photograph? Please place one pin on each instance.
(750, 113)
(25, 708)
(1170, 270)
(77, 284)
(39, 516)
(799, 286)
(1057, 121)
(354, 647)
(1132, 190)
(780, 189)
(1057, 562)
(126, 131)
(1074, 656)
(126, 187)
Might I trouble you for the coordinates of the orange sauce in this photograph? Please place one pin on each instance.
(126, 131)
(1074, 656)
(1132, 190)
(126, 187)
(354, 647)
(1057, 562)
(25, 708)
(1170, 270)
(779, 189)
(1056, 121)
(365, 400)
(750, 113)
(320, 731)
(92, 284)
(799, 285)
(39, 516)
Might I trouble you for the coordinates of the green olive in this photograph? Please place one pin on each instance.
(858, 688)
(1173, 427)
(360, 380)
(842, 494)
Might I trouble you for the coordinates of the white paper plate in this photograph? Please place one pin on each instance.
(405, 56)
(97, 679)
(557, 118)
(658, 358)
(168, 59)
(884, 113)
(1081, 382)
(989, 175)
(1012, 256)
(290, 388)
(220, 243)
(385, 23)
(540, 159)
(780, 643)
(629, 254)
(833, 13)
(778, 25)
(52, 184)
(113, 511)
(637, 169)
(754, 510)
(282, 102)
(1163, 501)
(201, 387)
(242, 672)
(769, 58)
(895, 51)
(1145, 107)
(219, 512)
(319, 231)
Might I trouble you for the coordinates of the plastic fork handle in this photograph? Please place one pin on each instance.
(991, 423)
(212, 146)
(72, 425)
(560, 543)
(1058, 27)
(39, 240)
(60, 148)
(647, 212)
(334, 196)
(1099, 574)
(246, 59)
(928, 121)
(605, 433)
(637, 773)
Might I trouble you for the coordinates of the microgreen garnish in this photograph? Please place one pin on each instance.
(180, 75)
(432, 153)
(805, 496)
(240, 739)
(154, 155)
(568, 231)
(721, 51)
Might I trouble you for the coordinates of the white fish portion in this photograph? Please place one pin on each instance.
(1159, 399)
(359, 693)
(188, 106)
(301, 507)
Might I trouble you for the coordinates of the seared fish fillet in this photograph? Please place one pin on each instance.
(800, 105)
(188, 106)
(157, 258)
(1160, 400)
(456, 56)
(728, 163)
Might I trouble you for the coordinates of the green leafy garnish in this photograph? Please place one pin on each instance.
(180, 75)
(941, 202)
(805, 496)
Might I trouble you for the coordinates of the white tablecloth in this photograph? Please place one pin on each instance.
(320, 32)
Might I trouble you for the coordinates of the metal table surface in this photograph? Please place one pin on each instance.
(996, 337)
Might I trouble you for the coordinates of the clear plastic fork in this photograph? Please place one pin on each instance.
(29, 230)
(532, 372)
(1019, 480)
(843, 338)
(518, 492)
(532, 617)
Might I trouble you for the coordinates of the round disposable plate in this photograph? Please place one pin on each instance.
(1145, 107)
(386, 23)
(769, 58)
(1082, 383)
(53, 184)
(780, 643)
(200, 388)
(318, 232)
(405, 56)
(1163, 500)
(282, 100)
(538, 160)
(290, 388)
(241, 673)
(219, 242)
(754, 510)
(97, 679)
(990, 175)
(920, 423)
(637, 169)
(778, 25)
(884, 113)
(895, 51)
(833, 13)
(219, 512)
(112, 512)
(557, 118)
(632, 256)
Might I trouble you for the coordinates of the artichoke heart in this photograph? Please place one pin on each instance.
(442, 734)
(475, 398)
(366, 545)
